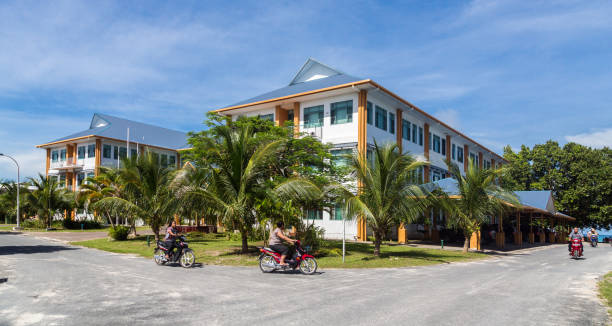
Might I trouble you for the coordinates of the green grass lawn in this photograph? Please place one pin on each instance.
(605, 289)
(217, 250)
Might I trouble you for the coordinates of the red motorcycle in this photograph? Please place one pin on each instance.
(576, 251)
(269, 260)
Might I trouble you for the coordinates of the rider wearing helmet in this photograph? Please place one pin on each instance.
(574, 235)
(171, 234)
(276, 241)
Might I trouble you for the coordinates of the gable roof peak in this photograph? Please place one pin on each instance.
(312, 70)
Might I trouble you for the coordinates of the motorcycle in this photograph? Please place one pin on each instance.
(576, 251)
(269, 260)
(594, 241)
(182, 255)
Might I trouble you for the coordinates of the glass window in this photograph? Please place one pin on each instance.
(80, 178)
(314, 214)
(381, 118)
(392, 123)
(430, 142)
(369, 110)
(290, 115)
(313, 116)
(406, 130)
(115, 152)
(473, 158)
(54, 156)
(435, 176)
(81, 152)
(164, 160)
(342, 112)
(133, 152)
(453, 151)
(414, 133)
(106, 151)
(459, 154)
(91, 150)
(341, 157)
(122, 152)
(443, 146)
(172, 160)
(420, 136)
(436, 143)
(63, 156)
(269, 117)
(62, 180)
(337, 213)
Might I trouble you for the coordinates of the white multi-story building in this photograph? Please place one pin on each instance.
(73, 158)
(351, 113)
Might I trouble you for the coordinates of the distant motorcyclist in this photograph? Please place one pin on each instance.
(574, 235)
(593, 235)
(171, 234)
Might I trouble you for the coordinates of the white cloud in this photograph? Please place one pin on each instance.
(597, 139)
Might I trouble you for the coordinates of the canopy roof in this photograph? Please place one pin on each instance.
(537, 200)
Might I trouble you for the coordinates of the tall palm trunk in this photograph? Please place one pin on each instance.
(466, 242)
(377, 242)
(245, 240)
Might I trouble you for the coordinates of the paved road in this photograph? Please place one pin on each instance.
(51, 283)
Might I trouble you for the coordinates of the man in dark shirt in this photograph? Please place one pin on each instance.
(171, 234)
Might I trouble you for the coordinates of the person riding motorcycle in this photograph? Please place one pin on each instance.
(276, 242)
(591, 234)
(574, 235)
(171, 234)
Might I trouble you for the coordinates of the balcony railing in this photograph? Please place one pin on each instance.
(69, 163)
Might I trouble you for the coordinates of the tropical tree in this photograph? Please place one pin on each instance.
(188, 178)
(48, 198)
(147, 192)
(239, 165)
(106, 184)
(479, 197)
(8, 199)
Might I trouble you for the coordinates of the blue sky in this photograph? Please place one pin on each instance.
(503, 72)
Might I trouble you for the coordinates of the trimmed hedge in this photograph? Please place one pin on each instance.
(119, 233)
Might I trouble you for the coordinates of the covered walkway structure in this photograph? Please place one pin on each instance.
(535, 221)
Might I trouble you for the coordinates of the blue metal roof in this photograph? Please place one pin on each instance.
(535, 198)
(302, 87)
(113, 127)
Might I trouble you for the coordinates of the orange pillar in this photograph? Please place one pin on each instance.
(480, 160)
(296, 118)
(48, 162)
(98, 156)
(362, 150)
(475, 240)
(280, 116)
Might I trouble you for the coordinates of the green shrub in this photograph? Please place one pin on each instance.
(312, 237)
(329, 252)
(33, 224)
(119, 233)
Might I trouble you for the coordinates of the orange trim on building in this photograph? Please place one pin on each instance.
(362, 148)
(48, 162)
(280, 116)
(98, 157)
(296, 118)
(480, 160)
(426, 151)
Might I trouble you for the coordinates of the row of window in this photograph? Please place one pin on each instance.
(337, 213)
(60, 155)
(80, 178)
(386, 121)
(340, 112)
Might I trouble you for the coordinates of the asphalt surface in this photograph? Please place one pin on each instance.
(43, 282)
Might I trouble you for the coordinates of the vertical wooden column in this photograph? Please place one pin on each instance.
(426, 151)
(500, 238)
(480, 160)
(362, 151)
(296, 118)
(531, 234)
(98, 157)
(466, 157)
(475, 240)
(48, 162)
(518, 237)
(402, 236)
(280, 116)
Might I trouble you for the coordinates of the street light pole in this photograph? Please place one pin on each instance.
(18, 186)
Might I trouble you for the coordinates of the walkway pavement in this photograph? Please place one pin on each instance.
(44, 283)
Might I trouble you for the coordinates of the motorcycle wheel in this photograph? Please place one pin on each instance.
(157, 257)
(308, 266)
(187, 258)
(267, 264)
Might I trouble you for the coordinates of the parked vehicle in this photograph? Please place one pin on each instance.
(182, 254)
(269, 260)
(594, 240)
(576, 251)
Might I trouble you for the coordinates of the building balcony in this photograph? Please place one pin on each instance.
(68, 165)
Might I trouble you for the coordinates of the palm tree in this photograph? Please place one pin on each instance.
(389, 194)
(188, 178)
(106, 184)
(8, 199)
(146, 194)
(48, 198)
(479, 196)
(237, 177)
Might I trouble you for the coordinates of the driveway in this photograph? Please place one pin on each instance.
(51, 283)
